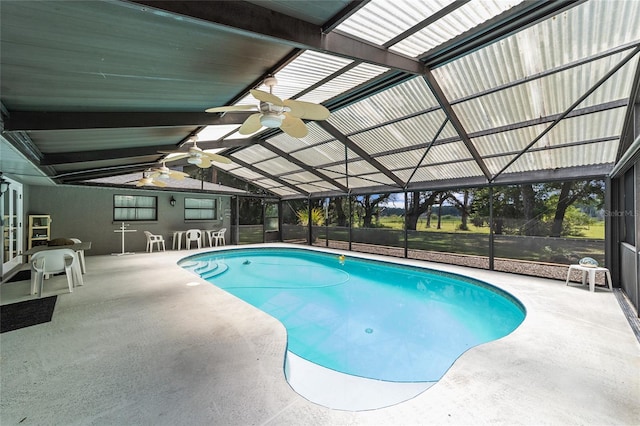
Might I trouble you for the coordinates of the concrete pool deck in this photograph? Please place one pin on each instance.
(139, 343)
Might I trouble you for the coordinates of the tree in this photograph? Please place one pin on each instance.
(419, 203)
(370, 206)
(337, 207)
(463, 206)
(570, 192)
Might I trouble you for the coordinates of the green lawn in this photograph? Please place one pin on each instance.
(450, 224)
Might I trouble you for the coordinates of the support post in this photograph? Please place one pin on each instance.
(350, 218)
(309, 227)
(491, 248)
(406, 229)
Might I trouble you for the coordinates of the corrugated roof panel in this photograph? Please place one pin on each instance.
(449, 132)
(543, 97)
(310, 185)
(213, 133)
(509, 141)
(576, 34)
(333, 174)
(325, 153)
(495, 164)
(299, 177)
(381, 20)
(594, 126)
(354, 168)
(453, 24)
(305, 70)
(367, 180)
(225, 167)
(462, 169)
(399, 101)
(246, 174)
(253, 154)
(454, 151)
(573, 156)
(277, 166)
(268, 183)
(344, 82)
(401, 160)
(284, 191)
(618, 86)
(288, 144)
(587, 127)
(412, 131)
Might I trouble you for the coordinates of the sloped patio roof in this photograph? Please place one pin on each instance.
(422, 94)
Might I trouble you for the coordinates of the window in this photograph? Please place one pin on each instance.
(200, 209)
(629, 208)
(134, 207)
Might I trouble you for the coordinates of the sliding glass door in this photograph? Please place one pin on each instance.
(11, 225)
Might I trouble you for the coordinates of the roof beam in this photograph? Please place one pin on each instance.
(222, 144)
(267, 176)
(455, 122)
(254, 21)
(80, 175)
(38, 120)
(53, 159)
(303, 166)
(329, 128)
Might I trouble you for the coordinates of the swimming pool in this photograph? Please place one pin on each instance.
(371, 320)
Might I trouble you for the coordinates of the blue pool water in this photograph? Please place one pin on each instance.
(365, 318)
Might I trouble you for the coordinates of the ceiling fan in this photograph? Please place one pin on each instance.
(148, 179)
(164, 172)
(276, 113)
(196, 156)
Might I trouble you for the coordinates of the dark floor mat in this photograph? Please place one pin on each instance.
(25, 314)
(20, 276)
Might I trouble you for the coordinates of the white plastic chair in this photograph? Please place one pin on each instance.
(154, 239)
(193, 235)
(218, 237)
(80, 253)
(52, 262)
(210, 236)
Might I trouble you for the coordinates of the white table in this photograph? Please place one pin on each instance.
(177, 239)
(123, 229)
(592, 275)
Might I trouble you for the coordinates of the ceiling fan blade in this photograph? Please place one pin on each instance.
(293, 126)
(177, 175)
(217, 158)
(250, 125)
(232, 108)
(139, 183)
(176, 158)
(307, 110)
(205, 163)
(158, 183)
(266, 97)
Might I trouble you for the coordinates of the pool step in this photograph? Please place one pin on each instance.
(208, 269)
(219, 269)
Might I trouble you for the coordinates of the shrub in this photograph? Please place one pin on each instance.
(317, 216)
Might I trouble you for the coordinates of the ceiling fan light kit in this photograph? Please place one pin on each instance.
(194, 160)
(273, 112)
(271, 119)
(195, 156)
